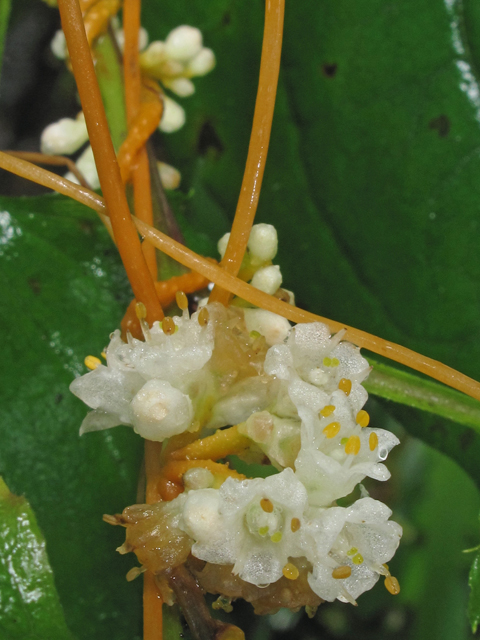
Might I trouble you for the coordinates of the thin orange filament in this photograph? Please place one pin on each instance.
(126, 237)
(259, 140)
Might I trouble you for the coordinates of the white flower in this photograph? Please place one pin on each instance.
(273, 327)
(183, 43)
(352, 542)
(153, 385)
(263, 241)
(254, 525)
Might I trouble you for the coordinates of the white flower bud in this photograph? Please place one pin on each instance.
(222, 244)
(183, 43)
(198, 478)
(169, 176)
(201, 518)
(173, 117)
(201, 64)
(268, 324)
(263, 241)
(267, 279)
(160, 411)
(153, 56)
(87, 167)
(64, 137)
(183, 87)
(58, 45)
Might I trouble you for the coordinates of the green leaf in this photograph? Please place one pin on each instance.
(63, 292)
(30, 609)
(474, 599)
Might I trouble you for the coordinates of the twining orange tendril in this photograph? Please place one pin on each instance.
(56, 161)
(126, 237)
(216, 274)
(129, 151)
(258, 149)
(97, 16)
(152, 608)
(143, 125)
(222, 443)
(152, 601)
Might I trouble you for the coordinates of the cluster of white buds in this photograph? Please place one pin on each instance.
(174, 62)
(299, 402)
(68, 135)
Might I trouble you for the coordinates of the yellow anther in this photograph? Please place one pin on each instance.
(345, 385)
(276, 536)
(363, 419)
(104, 355)
(385, 566)
(342, 572)
(327, 362)
(266, 505)
(353, 445)
(392, 586)
(335, 362)
(357, 558)
(326, 411)
(352, 551)
(263, 531)
(91, 362)
(290, 571)
(168, 326)
(203, 317)
(295, 524)
(332, 429)
(182, 300)
(373, 441)
(140, 311)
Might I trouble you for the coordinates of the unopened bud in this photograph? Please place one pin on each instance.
(267, 279)
(263, 241)
(201, 64)
(183, 43)
(173, 117)
(64, 137)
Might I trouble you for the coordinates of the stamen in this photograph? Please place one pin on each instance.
(276, 536)
(357, 558)
(263, 531)
(343, 441)
(182, 300)
(295, 524)
(104, 355)
(266, 505)
(327, 362)
(352, 551)
(91, 362)
(373, 441)
(340, 573)
(353, 445)
(203, 317)
(392, 585)
(363, 419)
(168, 326)
(140, 311)
(335, 362)
(326, 411)
(290, 571)
(332, 429)
(345, 385)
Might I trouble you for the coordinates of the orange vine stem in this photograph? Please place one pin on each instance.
(108, 171)
(216, 274)
(152, 601)
(57, 161)
(258, 148)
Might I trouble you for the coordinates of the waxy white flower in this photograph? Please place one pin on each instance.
(349, 548)
(152, 385)
(248, 524)
(65, 136)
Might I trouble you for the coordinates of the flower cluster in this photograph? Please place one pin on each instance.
(295, 398)
(174, 63)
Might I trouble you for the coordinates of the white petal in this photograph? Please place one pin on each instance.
(263, 241)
